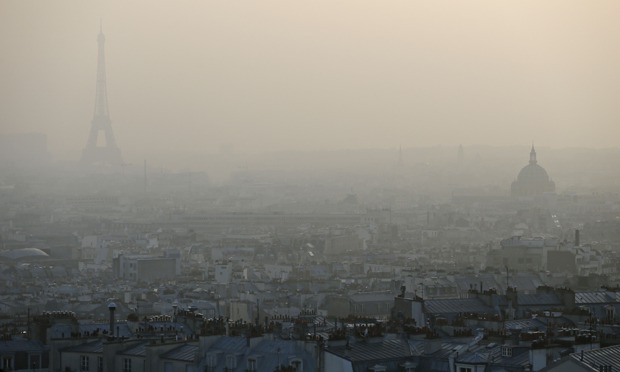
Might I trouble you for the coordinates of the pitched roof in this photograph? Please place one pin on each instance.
(184, 353)
(137, 350)
(372, 351)
(607, 356)
(538, 299)
(597, 297)
(456, 305)
(87, 347)
(9, 346)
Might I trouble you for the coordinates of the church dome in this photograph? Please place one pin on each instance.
(533, 173)
(532, 179)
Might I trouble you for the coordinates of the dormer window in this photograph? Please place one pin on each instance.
(507, 351)
(211, 361)
(378, 368)
(408, 366)
(252, 365)
(231, 362)
(298, 364)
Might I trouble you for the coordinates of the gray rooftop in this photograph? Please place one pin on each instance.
(609, 356)
(456, 305)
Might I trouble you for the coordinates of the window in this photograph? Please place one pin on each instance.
(506, 351)
(35, 360)
(99, 364)
(297, 364)
(211, 360)
(84, 363)
(7, 363)
(231, 362)
(126, 365)
(252, 365)
(464, 369)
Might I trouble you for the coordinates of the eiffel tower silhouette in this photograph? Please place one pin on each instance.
(110, 153)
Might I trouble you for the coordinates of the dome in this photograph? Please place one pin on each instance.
(533, 173)
(23, 254)
(532, 179)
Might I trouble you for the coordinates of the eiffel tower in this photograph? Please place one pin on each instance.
(109, 153)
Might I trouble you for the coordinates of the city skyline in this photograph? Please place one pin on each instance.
(280, 77)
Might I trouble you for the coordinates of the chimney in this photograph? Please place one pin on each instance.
(111, 307)
(515, 336)
(577, 238)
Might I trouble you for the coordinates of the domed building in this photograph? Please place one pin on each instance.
(532, 180)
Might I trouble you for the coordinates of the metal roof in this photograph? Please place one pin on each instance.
(137, 350)
(596, 297)
(456, 305)
(9, 346)
(372, 351)
(87, 347)
(184, 353)
(607, 356)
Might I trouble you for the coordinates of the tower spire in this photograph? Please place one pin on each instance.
(109, 153)
(533, 155)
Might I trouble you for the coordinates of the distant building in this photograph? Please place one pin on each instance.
(605, 359)
(23, 355)
(223, 273)
(341, 244)
(369, 304)
(142, 268)
(521, 254)
(532, 179)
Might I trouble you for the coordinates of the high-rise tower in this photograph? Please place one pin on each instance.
(109, 153)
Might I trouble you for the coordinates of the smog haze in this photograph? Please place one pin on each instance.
(193, 78)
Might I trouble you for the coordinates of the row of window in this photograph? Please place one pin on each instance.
(85, 364)
(252, 363)
(231, 363)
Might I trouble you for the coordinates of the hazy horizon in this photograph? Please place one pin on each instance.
(195, 78)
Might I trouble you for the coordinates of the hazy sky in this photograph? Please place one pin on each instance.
(194, 76)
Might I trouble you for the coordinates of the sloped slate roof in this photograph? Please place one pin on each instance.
(372, 351)
(87, 347)
(456, 305)
(538, 299)
(137, 350)
(10, 346)
(607, 356)
(184, 353)
(596, 297)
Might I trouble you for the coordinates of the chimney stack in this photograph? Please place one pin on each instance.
(111, 307)
(577, 238)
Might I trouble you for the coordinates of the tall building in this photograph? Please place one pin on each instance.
(109, 153)
(532, 179)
